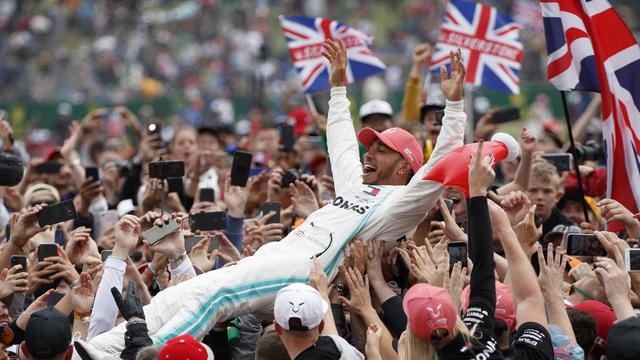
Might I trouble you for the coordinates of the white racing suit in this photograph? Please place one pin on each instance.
(370, 212)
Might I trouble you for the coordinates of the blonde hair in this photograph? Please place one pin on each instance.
(418, 348)
(545, 171)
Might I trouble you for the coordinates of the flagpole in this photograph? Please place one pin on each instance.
(312, 105)
(575, 158)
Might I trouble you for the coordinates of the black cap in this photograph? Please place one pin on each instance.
(48, 333)
(208, 130)
(622, 342)
(424, 109)
(11, 168)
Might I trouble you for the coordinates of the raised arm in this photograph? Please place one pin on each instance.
(341, 135)
(483, 288)
(526, 294)
(454, 122)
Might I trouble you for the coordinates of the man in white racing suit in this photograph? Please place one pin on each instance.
(380, 206)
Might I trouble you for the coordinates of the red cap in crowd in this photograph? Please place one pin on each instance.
(185, 347)
(429, 308)
(604, 317)
(396, 139)
(505, 308)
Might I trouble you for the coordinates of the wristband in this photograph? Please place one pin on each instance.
(81, 316)
(136, 321)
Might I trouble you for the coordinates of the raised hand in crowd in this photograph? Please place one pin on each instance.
(127, 231)
(81, 245)
(336, 53)
(235, 197)
(172, 245)
(421, 57)
(527, 232)
(372, 347)
(455, 283)
(39, 303)
(452, 83)
(615, 279)
(357, 254)
(425, 270)
(451, 230)
(90, 191)
(516, 204)
(131, 306)
(199, 256)
(13, 280)
(63, 268)
(612, 210)
(226, 251)
(83, 294)
(485, 126)
(303, 198)
(24, 225)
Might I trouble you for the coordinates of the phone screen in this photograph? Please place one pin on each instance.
(56, 213)
(633, 260)
(272, 206)
(46, 251)
(91, 172)
(208, 221)
(438, 216)
(207, 194)
(240, 168)
(561, 161)
(506, 115)
(584, 245)
(457, 252)
(19, 260)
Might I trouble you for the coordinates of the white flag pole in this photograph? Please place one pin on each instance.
(312, 105)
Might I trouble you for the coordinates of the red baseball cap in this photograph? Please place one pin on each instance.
(398, 140)
(429, 308)
(53, 154)
(604, 317)
(505, 308)
(185, 347)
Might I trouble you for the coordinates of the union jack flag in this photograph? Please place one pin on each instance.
(591, 48)
(488, 41)
(305, 36)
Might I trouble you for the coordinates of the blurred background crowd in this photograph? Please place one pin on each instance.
(213, 61)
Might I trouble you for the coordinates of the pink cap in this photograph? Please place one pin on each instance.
(398, 140)
(505, 308)
(429, 308)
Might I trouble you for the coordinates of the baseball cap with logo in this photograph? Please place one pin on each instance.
(429, 308)
(505, 308)
(185, 347)
(299, 307)
(375, 107)
(398, 140)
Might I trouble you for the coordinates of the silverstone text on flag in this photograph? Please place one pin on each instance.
(591, 48)
(489, 42)
(305, 36)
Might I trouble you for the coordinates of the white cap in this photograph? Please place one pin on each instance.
(375, 107)
(299, 301)
(125, 206)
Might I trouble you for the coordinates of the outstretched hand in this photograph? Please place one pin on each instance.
(336, 53)
(481, 174)
(452, 84)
